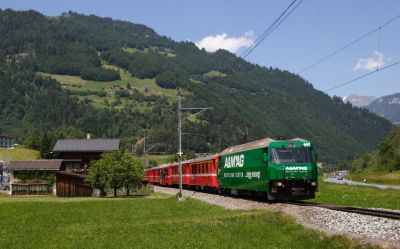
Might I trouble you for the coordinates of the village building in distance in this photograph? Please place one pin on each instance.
(69, 166)
(6, 141)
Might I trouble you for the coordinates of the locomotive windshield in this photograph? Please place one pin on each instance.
(291, 155)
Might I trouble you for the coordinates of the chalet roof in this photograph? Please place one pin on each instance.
(35, 165)
(86, 145)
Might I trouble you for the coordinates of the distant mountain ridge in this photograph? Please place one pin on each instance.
(359, 100)
(387, 107)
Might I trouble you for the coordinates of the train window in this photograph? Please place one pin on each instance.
(204, 168)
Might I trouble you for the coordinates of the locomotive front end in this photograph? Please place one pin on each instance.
(292, 170)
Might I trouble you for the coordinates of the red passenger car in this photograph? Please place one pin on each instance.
(199, 172)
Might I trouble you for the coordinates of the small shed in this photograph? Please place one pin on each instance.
(33, 176)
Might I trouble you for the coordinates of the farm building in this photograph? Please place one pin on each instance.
(33, 176)
(76, 155)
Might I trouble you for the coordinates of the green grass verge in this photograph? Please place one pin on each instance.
(148, 222)
(377, 177)
(19, 154)
(359, 196)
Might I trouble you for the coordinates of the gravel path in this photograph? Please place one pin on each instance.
(368, 229)
(345, 181)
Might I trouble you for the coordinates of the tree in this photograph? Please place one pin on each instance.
(98, 173)
(115, 170)
(133, 171)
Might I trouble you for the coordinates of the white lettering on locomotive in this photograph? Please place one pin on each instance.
(296, 168)
(234, 161)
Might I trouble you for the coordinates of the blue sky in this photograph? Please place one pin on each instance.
(315, 29)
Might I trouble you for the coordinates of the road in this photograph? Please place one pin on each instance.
(345, 181)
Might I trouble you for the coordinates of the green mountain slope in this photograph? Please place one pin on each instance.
(120, 79)
(385, 156)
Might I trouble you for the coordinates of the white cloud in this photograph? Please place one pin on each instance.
(214, 42)
(370, 63)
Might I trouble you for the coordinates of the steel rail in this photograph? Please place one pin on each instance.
(357, 210)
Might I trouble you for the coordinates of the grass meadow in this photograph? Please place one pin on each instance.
(155, 221)
(385, 178)
(358, 196)
(19, 154)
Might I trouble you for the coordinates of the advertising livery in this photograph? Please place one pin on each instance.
(284, 169)
(278, 169)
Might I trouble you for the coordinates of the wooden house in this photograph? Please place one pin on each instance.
(77, 154)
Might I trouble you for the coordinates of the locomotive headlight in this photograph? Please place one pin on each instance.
(278, 184)
(314, 184)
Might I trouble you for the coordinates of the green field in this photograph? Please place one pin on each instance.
(19, 154)
(376, 177)
(358, 196)
(156, 221)
(144, 86)
(164, 51)
(214, 73)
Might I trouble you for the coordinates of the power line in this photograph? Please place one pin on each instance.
(351, 81)
(349, 44)
(362, 76)
(275, 27)
(282, 17)
(267, 30)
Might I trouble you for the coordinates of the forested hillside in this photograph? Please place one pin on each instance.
(385, 156)
(61, 76)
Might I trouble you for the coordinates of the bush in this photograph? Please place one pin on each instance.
(167, 80)
(99, 74)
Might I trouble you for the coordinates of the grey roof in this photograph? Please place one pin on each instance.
(90, 145)
(35, 165)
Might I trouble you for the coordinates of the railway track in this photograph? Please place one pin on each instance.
(364, 211)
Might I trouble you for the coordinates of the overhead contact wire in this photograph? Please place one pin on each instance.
(349, 44)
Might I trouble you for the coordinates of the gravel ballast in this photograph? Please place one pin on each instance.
(382, 231)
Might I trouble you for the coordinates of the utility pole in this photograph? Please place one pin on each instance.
(144, 151)
(180, 153)
(180, 143)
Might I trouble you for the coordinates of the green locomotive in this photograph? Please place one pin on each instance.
(281, 169)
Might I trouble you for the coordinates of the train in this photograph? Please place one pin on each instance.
(276, 169)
